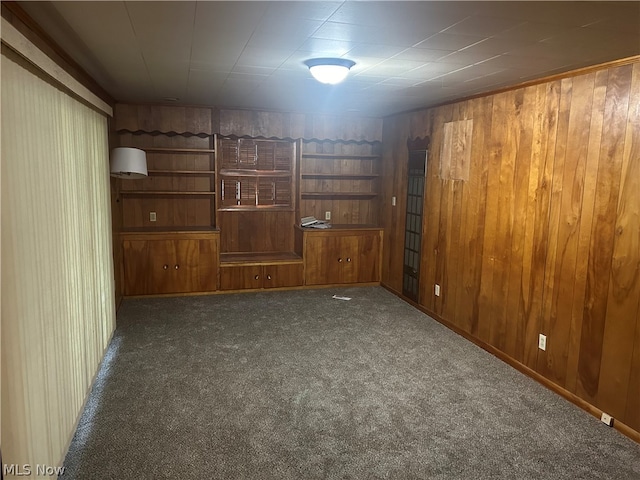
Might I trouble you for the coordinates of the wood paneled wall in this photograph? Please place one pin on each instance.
(544, 237)
(283, 125)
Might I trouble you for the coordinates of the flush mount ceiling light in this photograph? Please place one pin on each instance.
(329, 70)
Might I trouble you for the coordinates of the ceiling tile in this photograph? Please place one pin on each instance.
(408, 54)
(449, 41)
(422, 54)
(482, 26)
(321, 47)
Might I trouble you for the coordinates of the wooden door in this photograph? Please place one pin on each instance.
(323, 260)
(283, 275)
(241, 277)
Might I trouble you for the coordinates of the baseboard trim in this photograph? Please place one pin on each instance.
(566, 394)
(247, 290)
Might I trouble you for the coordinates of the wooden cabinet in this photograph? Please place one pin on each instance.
(340, 178)
(165, 263)
(253, 276)
(342, 255)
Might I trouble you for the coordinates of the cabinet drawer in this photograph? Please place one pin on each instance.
(283, 275)
(240, 277)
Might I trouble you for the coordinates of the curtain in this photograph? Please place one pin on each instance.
(58, 308)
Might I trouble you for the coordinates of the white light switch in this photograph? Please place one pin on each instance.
(393, 201)
(152, 216)
(327, 215)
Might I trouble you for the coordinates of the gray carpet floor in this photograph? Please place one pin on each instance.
(298, 385)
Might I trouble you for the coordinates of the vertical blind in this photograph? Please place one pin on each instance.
(58, 309)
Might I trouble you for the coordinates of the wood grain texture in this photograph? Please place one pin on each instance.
(261, 231)
(544, 236)
(394, 184)
(270, 124)
(342, 256)
(602, 232)
(169, 265)
(163, 119)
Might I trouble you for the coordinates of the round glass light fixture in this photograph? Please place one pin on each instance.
(329, 70)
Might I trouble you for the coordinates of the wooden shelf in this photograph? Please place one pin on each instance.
(161, 230)
(256, 258)
(339, 156)
(182, 172)
(339, 195)
(254, 173)
(176, 150)
(157, 192)
(249, 208)
(338, 176)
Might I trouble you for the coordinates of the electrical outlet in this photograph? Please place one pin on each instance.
(393, 201)
(152, 216)
(437, 290)
(327, 215)
(542, 342)
(606, 419)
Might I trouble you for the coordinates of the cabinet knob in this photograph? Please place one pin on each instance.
(177, 267)
(257, 277)
(348, 259)
(339, 260)
(268, 277)
(165, 267)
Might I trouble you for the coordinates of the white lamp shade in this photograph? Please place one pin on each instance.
(127, 162)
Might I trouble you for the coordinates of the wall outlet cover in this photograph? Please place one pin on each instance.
(606, 419)
(542, 342)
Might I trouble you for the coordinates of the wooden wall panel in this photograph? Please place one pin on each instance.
(297, 125)
(544, 237)
(602, 232)
(624, 286)
(256, 231)
(164, 119)
(394, 174)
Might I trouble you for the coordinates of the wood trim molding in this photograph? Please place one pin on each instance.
(20, 44)
(23, 23)
(567, 395)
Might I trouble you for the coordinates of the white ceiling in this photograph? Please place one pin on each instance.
(407, 54)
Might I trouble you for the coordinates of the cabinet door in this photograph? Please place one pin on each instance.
(169, 266)
(323, 260)
(367, 266)
(283, 275)
(240, 277)
(348, 258)
(137, 276)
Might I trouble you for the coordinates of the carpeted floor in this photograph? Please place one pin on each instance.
(297, 385)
